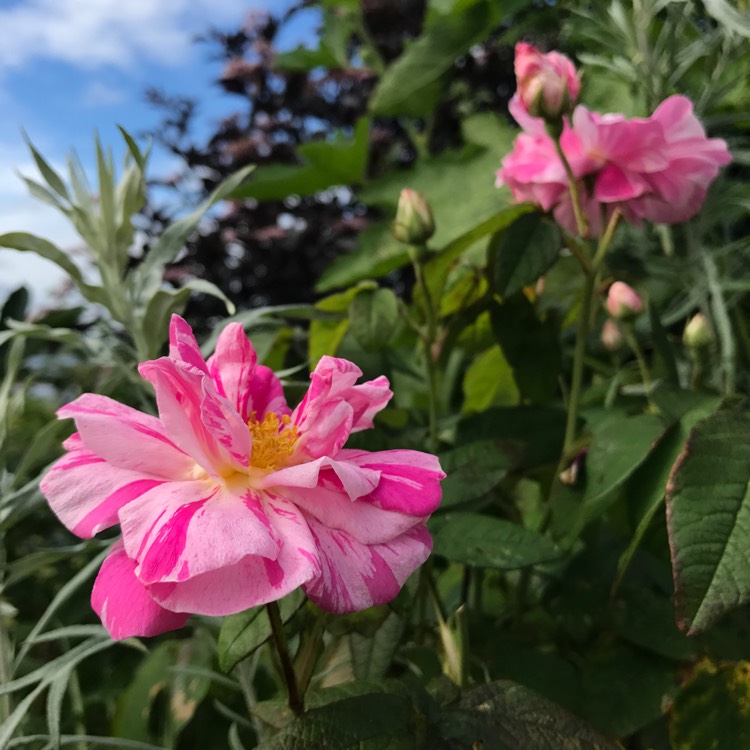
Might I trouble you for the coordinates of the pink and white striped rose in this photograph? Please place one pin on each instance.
(229, 499)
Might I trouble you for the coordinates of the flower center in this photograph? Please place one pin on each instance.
(273, 440)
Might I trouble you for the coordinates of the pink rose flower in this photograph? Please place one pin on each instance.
(657, 168)
(228, 499)
(623, 301)
(548, 84)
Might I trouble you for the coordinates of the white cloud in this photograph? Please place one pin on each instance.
(19, 212)
(98, 94)
(91, 33)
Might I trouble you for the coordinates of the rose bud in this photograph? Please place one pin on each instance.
(414, 224)
(623, 301)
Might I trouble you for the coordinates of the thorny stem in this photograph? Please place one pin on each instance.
(295, 699)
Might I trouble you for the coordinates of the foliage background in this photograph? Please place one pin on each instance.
(548, 616)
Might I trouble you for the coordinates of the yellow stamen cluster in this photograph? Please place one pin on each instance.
(273, 440)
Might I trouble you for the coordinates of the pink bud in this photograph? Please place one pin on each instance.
(611, 336)
(548, 84)
(623, 301)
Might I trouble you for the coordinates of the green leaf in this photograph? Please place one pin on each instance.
(44, 333)
(520, 254)
(488, 542)
(155, 675)
(489, 382)
(50, 176)
(648, 484)
(530, 345)
(472, 471)
(372, 654)
(411, 85)
(536, 432)
(326, 334)
(163, 303)
(505, 716)
(340, 161)
(463, 222)
(16, 305)
(624, 688)
(711, 711)
(364, 722)
(139, 157)
(708, 519)
(619, 445)
(26, 242)
(731, 18)
(243, 633)
(373, 316)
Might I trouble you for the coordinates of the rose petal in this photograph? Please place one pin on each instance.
(253, 580)
(123, 603)
(183, 529)
(86, 493)
(355, 576)
(126, 438)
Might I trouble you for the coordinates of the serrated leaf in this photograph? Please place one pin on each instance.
(489, 542)
(506, 716)
(624, 688)
(711, 711)
(373, 316)
(377, 720)
(708, 519)
(243, 633)
(524, 251)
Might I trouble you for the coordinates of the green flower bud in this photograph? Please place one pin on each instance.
(414, 224)
(698, 333)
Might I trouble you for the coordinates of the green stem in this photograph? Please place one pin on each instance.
(572, 244)
(77, 706)
(628, 330)
(416, 255)
(295, 698)
(581, 221)
(582, 332)
(245, 672)
(6, 655)
(606, 239)
(723, 323)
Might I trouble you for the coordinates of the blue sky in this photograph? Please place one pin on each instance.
(70, 67)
